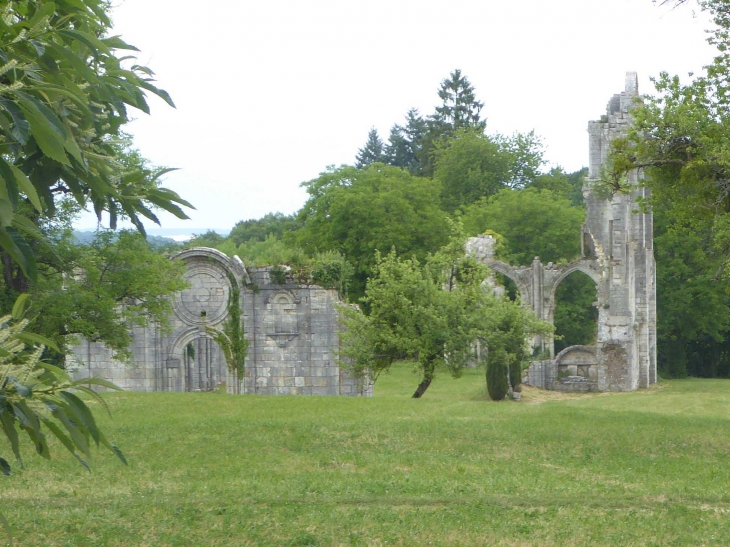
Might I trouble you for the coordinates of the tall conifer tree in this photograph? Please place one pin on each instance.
(372, 151)
(405, 143)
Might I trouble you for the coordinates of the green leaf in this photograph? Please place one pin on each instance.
(161, 93)
(82, 413)
(73, 148)
(119, 454)
(95, 395)
(19, 307)
(5, 467)
(115, 42)
(60, 435)
(10, 190)
(99, 382)
(19, 250)
(32, 339)
(27, 188)
(27, 226)
(83, 462)
(7, 216)
(45, 10)
(93, 43)
(41, 110)
(57, 372)
(21, 127)
(74, 428)
(50, 143)
(31, 424)
(8, 424)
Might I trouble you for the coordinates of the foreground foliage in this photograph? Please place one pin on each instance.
(449, 469)
(37, 398)
(64, 95)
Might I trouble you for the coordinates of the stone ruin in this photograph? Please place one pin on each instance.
(292, 332)
(292, 329)
(617, 254)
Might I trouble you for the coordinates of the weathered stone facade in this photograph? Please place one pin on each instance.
(617, 254)
(291, 330)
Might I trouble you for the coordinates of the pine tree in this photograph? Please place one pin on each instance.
(372, 151)
(405, 143)
(459, 108)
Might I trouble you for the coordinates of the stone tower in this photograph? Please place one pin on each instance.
(620, 236)
(617, 254)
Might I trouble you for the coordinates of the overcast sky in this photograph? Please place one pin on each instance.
(269, 93)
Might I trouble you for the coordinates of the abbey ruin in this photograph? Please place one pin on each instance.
(292, 333)
(292, 330)
(617, 254)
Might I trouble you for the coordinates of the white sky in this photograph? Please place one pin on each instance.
(271, 92)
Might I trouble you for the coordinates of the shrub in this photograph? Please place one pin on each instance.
(497, 381)
(515, 373)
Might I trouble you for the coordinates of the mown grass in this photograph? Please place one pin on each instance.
(645, 468)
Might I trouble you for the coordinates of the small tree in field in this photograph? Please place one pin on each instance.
(431, 314)
(510, 325)
(497, 375)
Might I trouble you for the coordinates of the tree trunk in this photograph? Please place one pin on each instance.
(422, 387)
(427, 379)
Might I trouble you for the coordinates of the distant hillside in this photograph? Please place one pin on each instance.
(86, 237)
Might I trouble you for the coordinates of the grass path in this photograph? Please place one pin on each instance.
(645, 468)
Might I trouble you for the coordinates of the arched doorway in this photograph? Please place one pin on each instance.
(204, 365)
(575, 314)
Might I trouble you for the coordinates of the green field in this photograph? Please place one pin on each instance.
(646, 468)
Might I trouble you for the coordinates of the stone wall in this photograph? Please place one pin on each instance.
(617, 254)
(292, 331)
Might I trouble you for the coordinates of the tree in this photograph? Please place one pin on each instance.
(372, 152)
(459, 111)
(680, 140)
(358, 211)
(210, 238)
(568, 185)
(459, 107)
(64, 96)
(431, 313)
(102, 290)
(411, 317)
(275, 224)
(471, 165)
(405, 144)
(498, 375)
(532, 223)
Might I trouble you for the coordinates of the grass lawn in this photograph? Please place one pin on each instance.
(644, 468)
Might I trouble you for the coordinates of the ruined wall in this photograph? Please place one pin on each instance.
(291, 330)
(294, 340)
(617, 254)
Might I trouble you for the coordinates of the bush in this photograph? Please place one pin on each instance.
(515, 373)
(497, 382)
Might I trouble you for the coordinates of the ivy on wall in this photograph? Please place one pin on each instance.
(231, 339)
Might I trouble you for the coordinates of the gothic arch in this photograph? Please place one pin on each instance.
(515, 276)
(587, 267)
(203, 371)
